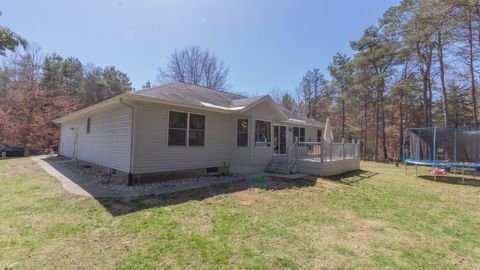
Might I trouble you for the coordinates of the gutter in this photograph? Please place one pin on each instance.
(132, 128)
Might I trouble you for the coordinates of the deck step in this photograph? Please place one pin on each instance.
(278, 168)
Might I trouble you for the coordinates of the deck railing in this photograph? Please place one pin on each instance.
(325, 151)
(321, 151)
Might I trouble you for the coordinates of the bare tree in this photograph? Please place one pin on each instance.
(196, 66)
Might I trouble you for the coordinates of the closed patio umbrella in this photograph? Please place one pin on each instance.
(328, 133)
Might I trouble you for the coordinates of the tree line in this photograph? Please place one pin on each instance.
(417, 67)
(37, 88)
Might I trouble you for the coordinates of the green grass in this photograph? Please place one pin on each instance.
(377, 218)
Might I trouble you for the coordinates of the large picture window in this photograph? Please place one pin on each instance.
(196, 134)
(298, 134)
(186, 129)
(263, 133)
(242, 132)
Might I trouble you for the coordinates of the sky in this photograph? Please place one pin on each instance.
(266, 44)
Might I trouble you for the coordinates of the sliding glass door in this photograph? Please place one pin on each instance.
(279, 140)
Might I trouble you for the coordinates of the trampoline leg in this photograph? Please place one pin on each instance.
(463, 175)
(454, 170)
(406, 173)
(474, 174)
(434, 175)
(416, 170)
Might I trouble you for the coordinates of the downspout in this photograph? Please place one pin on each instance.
(130, 175)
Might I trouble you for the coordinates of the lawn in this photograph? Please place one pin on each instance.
(376, 218)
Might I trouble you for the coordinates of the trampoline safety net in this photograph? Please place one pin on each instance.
(442, 146)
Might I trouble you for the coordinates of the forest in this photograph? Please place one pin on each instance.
(417, 67)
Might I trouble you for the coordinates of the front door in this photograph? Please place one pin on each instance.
(279, 140)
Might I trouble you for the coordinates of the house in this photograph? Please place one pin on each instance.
(182, 129)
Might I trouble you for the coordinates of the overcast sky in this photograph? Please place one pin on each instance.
(266, 44)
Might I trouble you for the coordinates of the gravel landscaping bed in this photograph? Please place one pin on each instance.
(106, 181)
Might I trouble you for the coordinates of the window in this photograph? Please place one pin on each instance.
(177, 128)
(263, 133)
(88, 125)
(299, 134)
(242, 132)
(302, 134)
(196, 133)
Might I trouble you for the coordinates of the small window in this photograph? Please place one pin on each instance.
(302, 134)
(88, 125)
(196, 133)
(242, 132)
(177, 128)
(263, 130)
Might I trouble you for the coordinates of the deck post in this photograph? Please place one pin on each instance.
(321, 150)
(331, 146)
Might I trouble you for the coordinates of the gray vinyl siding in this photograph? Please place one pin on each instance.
(254, 158)
(109, 141)
(152, 153)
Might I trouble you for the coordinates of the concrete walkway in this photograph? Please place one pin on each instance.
(78, 184)
(67, 183)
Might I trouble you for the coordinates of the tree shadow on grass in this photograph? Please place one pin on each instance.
(122, 206)
(453, 179)
(351, 178)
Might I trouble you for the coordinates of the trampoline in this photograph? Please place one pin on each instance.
(442, 147)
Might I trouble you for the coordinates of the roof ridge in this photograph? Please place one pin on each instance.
(154, 87)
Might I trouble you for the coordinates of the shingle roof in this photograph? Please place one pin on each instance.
(199, 95)
(196, 95)
(294, 116)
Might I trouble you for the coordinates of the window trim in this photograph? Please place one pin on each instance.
(248, 132)
(187, 130)
(255, 133)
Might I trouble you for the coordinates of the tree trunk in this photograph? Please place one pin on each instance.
(377, 112)
(442, 79)
(426, 80)
(365, 128)
(343, 114)
(425, 99)
(400, 126)
(472, 70)
(384, 136)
